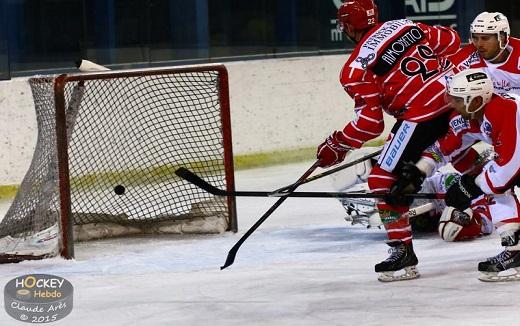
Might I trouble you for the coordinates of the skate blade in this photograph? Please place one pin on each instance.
(497, 277)
(410, 273)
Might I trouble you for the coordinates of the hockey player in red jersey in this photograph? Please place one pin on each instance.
(495, 120)
(493, 50)
(497, 53)
(396, 67)
(499, 120)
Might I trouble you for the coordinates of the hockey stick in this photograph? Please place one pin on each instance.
(199, 182)
(416, 211)
(331, 171)
(233, 252)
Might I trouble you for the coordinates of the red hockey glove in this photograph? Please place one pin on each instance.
(333, 150)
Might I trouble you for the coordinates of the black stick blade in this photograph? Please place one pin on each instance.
(199, 182)
(230, 259)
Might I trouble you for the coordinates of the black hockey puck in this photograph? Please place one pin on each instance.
(119, 190)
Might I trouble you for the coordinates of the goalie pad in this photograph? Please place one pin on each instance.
(361, 210)
(345, 179)
(353, 179)
(364, 211)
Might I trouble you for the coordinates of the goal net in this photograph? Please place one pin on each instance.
(108, 145)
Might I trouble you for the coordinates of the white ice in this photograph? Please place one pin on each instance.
(304, 266)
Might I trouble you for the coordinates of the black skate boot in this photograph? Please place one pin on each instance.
(401, 257)
(508, 261)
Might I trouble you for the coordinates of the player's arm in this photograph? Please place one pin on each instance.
(368, 123)
(454, 147)
(501, 174)
(444, 40)
(466, 57)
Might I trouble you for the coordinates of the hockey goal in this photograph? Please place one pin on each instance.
(108, 145)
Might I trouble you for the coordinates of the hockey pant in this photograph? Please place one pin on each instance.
(405, 143)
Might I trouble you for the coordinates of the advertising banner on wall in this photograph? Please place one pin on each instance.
(433, 12)
(330, 36)
(457, 14)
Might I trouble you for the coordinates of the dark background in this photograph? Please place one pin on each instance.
(47, 36)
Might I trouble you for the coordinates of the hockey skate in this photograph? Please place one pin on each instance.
(402, 257)
(503, 267)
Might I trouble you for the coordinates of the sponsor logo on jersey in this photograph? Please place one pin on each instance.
(450, 180)
(472, 59)
(385, 32)
(491, 169)
(459, 124)
(388, 216)
(435, 153)
(364, 61)
(486, 128)
(504, 86)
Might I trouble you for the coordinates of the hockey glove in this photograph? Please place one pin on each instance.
(460, 194)
(333, 150)
(452, 222)
(409, 181)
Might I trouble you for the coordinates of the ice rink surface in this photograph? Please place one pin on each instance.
(304, 266)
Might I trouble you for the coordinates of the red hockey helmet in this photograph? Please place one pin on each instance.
(360, 14)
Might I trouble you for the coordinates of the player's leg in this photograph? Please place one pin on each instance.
(505, 213)
(398, 229)
(406, 143)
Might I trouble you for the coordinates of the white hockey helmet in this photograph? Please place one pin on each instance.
(492, 23)
(468, 84)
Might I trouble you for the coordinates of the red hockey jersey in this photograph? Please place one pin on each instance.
(505, 75)
(451, 148)
(397, 67)
(500, 128)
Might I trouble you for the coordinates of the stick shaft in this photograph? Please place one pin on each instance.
(331, 171)
(416, 211)
(233, 252)
(199, 182)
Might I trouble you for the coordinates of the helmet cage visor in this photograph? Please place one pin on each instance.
(462, 101)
